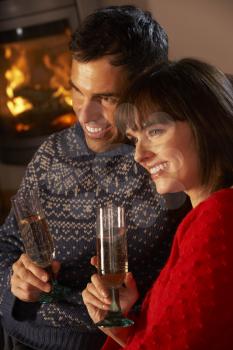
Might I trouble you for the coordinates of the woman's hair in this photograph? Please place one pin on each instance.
(192, 91)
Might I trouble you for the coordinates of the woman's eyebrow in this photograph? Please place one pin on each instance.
(154, 122)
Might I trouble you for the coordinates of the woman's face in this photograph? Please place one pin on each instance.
(167, 149)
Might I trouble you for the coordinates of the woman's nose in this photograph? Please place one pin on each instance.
(143, 154)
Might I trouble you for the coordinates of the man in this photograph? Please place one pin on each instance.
(77, 170)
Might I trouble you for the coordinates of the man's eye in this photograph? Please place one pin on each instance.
(110, 100)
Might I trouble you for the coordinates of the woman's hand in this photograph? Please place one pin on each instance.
(97, 299)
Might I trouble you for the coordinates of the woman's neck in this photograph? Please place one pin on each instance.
(198, 195)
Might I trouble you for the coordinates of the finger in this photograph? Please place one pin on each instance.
(37, 271)
(99, 285)
(129, 281)
(56, 266)
(21, 275)
(93, 301)
(29, 297)
(25, 292)
(26, 287)
(95, 313)
(93, 291)
(94, 261)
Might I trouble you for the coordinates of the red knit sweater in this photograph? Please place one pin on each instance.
(190, 306)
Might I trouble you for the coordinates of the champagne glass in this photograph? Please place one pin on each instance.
(112, 260)
(37, 240)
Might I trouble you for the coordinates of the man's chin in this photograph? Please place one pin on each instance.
(101, 144)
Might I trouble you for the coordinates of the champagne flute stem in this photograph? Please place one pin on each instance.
(52, 276)
(115, 306)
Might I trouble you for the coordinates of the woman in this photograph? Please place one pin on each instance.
(180, 118)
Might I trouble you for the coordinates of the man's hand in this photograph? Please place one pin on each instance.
(29, 280)
(97, 299)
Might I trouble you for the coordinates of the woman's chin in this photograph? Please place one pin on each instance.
(168, 185)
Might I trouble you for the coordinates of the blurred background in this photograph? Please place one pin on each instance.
(35, 65)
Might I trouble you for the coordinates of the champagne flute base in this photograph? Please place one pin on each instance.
(114, 319)
(57, 293)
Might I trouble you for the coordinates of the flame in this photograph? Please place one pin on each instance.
(64, 94)
(20, 127)
(8, 53)
(21, 83)
(16, 76)
(18, 105)
(60, 76)
(65, 120)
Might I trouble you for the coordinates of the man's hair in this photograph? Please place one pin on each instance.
(129, 34)
(192, 91)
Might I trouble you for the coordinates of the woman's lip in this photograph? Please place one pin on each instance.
(156, 176)
(156, 168)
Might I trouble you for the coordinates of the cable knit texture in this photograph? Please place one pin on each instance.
(72, 183)
(190, 305)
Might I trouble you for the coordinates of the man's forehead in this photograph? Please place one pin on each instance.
(98, 66)
(98, 75)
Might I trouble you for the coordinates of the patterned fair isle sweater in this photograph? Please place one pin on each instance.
(72, 182)
(190, 306)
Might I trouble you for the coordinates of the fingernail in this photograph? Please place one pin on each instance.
(44, 278)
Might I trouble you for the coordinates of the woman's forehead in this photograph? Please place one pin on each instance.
(141, 121)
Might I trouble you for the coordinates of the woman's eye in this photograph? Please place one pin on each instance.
(155, 132)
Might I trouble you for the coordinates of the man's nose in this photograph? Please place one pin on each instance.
(90, 111)
(142, 153)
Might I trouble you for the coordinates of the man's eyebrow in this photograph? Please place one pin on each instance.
(104, 94)
(74, 86)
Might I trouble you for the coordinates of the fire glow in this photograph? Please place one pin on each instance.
(37, 88)
(16, 77)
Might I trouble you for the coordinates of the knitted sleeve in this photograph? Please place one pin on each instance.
(191, 306)
(11, 246)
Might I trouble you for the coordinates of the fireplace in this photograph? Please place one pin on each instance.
(35, 69)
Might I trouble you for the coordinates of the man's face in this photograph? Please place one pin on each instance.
(96, 88)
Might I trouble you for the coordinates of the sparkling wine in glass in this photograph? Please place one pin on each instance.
(37, 240)
(112, 260)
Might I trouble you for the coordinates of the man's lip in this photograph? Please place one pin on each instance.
(96, 131)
